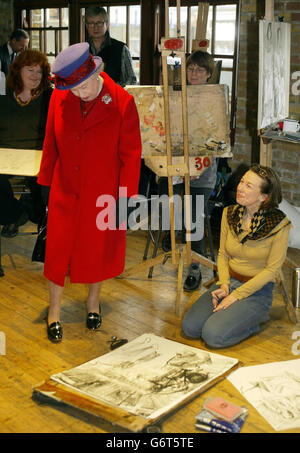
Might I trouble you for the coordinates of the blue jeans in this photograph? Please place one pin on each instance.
(228, 327)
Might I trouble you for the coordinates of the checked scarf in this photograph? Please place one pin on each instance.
(262, 223)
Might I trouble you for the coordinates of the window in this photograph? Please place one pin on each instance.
(48, 29)
(124, 25)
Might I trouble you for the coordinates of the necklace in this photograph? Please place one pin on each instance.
(23, 103)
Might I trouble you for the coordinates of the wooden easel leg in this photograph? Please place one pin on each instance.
(179, 284)
(145, 265)
(288, 303)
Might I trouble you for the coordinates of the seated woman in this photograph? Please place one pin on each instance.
(23, 116)
(253, 245)
(199, 69)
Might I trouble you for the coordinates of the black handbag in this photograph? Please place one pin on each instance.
(39, 249)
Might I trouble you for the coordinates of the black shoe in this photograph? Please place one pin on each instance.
(11, 230)
(194, 278)
(166, 242)
(55, 332)
(93, 321)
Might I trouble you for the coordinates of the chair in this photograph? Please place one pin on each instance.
(19, 187)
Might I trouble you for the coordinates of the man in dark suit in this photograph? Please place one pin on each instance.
(18, 42)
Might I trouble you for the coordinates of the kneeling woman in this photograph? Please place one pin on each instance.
(253, 245)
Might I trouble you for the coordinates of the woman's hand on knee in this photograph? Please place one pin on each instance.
(219, 294)
(225, 303)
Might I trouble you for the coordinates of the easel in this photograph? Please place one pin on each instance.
(201, 42)
(266, 148)
(182, 254)
(266, 160)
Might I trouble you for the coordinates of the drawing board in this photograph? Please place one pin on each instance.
(207, 113)
(274, 72)
(141, 381)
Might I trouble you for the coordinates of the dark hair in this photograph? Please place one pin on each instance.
(19, 33)
(93, 11)
(29, 57)
(202, 59)
(270, 186)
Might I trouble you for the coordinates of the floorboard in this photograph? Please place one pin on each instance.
(130, 307)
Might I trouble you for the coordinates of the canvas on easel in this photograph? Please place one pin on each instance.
(274, 72)
(207, 115)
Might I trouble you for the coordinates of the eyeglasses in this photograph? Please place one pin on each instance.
(94, 24)
(196, 70)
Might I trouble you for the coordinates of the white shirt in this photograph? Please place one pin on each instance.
(2, 75)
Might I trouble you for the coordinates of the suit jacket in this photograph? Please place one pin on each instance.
(82, 160)
(5, 59)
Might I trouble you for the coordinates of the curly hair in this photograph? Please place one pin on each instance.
(29, 57)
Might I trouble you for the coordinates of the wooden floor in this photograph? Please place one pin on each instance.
(131, 307)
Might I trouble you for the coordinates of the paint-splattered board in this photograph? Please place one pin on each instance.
(208, 120)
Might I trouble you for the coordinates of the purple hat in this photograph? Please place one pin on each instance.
(74, 65)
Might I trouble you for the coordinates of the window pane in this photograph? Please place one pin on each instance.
(35, 40)
(51, 61)
(135, 31)
(65, 17)
(65, 39)
(37, 17)
(50, 41)
(173, 21)
(226, 79)
(117, 22)
(52, 17)
(225, 29)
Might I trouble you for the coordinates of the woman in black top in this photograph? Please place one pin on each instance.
(23, 116)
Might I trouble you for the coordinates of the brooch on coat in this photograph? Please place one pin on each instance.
(106, 99)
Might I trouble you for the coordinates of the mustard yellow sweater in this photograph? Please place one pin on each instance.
(260, 259)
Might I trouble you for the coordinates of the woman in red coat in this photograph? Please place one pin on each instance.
(92, 149)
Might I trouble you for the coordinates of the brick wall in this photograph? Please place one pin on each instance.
(286, 157)
(6, 19)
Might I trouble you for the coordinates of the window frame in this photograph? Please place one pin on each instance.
(26, 23)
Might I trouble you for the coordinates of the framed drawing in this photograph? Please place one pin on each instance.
(274, 72)
(140, 382)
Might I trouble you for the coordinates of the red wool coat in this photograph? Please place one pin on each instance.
(82, 160)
